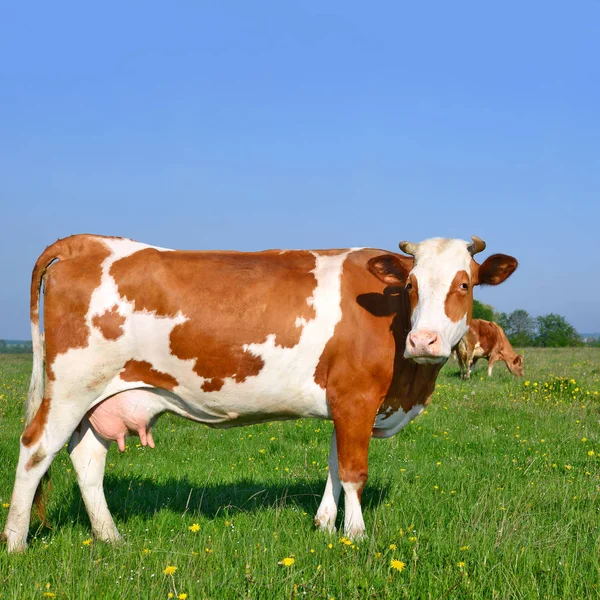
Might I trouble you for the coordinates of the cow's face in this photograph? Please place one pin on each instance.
(440, 284)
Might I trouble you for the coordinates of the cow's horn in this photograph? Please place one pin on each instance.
(478, 245)
(408, 247)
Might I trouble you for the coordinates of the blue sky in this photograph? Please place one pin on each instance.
(307, 125)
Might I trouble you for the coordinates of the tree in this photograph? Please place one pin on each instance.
(482, 311)
(555, 332)
(519, 327)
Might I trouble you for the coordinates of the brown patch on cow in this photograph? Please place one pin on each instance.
(34, 430)
(212, 385)
(412, 286)
(458, 301)
(68, 287)
(110, 323)
(230, 300)
(37, 457)
(141, 370)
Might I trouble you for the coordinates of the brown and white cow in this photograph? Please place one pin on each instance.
(487, 340)
(235, 338)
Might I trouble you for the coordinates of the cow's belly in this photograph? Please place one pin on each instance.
(133, 411)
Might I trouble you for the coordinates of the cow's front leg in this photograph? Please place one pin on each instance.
(327, 512)
(353, 436)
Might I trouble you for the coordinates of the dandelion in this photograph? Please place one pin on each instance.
(170, 570)
(146, 551)
(5, 505)
(392, 546)
(194, 528)
(287, 562)
(464, 548)
(346, 541)
(398, 565)
(87, 542)
(591, 453)
(49, 595)
(460, 564)
(182, 596)
(412, 539)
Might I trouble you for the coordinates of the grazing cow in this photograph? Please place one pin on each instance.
(487, 340)
(357, 336)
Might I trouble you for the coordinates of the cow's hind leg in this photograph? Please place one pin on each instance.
(50, 429)
(88, 453)
(327, 511)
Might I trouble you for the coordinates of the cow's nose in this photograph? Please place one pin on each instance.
(423, 343)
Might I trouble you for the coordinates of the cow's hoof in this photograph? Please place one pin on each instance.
(325, 523)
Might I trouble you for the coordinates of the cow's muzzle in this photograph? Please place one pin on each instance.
(424, 346)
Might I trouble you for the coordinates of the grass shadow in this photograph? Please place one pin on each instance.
(145, 497)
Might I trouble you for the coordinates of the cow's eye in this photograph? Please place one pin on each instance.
(464, 286)
(408, 286)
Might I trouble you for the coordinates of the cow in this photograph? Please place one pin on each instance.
(487, 340)
(224, 338)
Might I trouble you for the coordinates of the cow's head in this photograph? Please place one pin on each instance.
(516, 366)
(440, 280)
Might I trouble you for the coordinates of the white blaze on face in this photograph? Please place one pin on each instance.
(437, 261)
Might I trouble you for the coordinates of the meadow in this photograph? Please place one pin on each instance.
(493, 493)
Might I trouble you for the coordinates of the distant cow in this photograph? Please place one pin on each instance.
(226, 339)
(487, 340)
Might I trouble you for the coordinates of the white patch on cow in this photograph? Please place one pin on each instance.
(437, 261)
(327, 511)
(392, 421)
(300, 321)
(354, 524)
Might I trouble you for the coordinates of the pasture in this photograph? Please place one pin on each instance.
(493, 493)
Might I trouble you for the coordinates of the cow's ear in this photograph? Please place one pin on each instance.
(496, 269)
(391, 269)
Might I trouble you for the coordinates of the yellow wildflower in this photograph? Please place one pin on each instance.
(392, 546)
(460, 564)
(87, 542)
(287, 562)
(170, 570)
(464, 548)
(182, 596)
(397, 564)
(194, 528)
(5, 505)
(412, 539)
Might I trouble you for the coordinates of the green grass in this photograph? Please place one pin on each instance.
(494, 493)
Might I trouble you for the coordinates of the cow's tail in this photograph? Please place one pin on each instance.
(59, 250)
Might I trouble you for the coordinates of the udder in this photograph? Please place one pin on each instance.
(129, 413)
